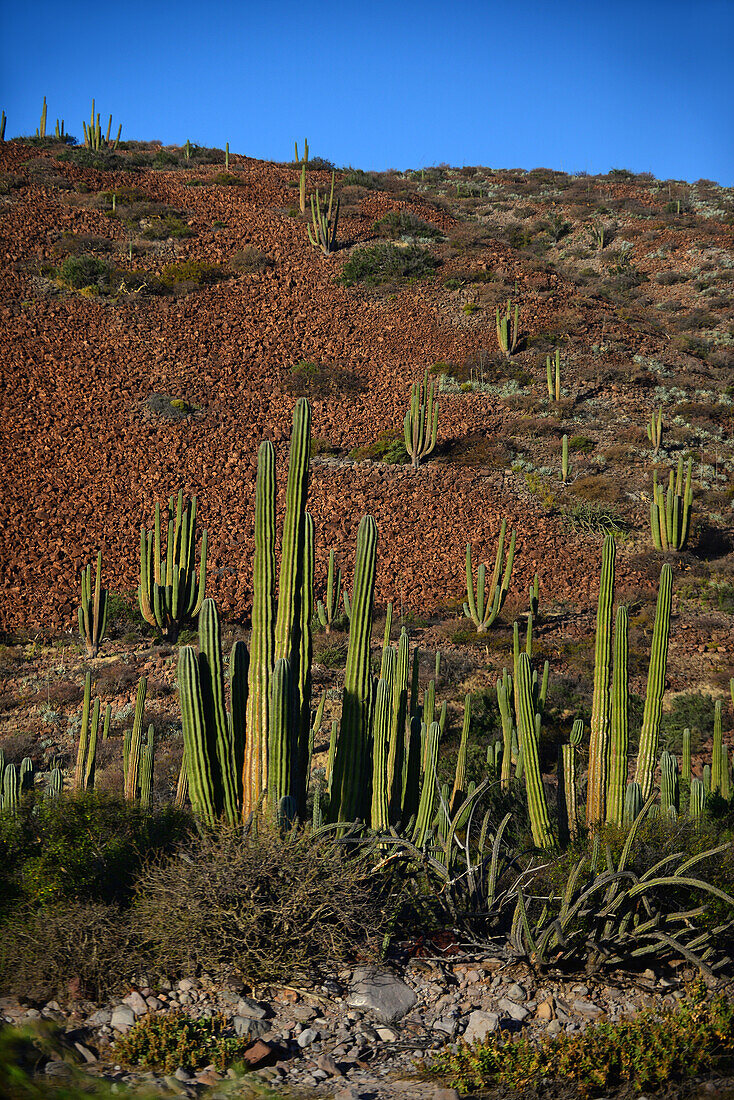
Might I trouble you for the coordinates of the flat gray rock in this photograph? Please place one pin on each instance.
(123, 1018)
(480, 1025)
(381, 993)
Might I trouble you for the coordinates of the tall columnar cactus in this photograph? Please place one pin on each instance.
(3, 120)
(686, 760)
(567, 802)
(564, 459)
(428, 788)
(504, 701)
(535, 597)
(302, 179)
(599, 742)
(420, 426)
(554, 378)
(27, 774)
(41, 131)
(93, 609)
(459, 790)
(669, 786)
(170, 594)
(55, 783)
(716, 770)
(528, 729)
(93, 133)
(88, 738)
(619, 740)
(349, 781)
(11, 789)
(670, 512)
(134, 755)
(508, 329)
(147, 760)
(324, 224)
(397, 733)
(379, 814)
(633, 803)
(303, 733)
(649, 734)
(484, 607)
(697, 800)
(655, 430)
(262, 640)
(328, 609)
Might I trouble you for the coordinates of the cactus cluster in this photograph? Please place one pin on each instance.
(93, 609)
(170, 594)
(484, 605)
(324, 220)
(670, 512)
(508, 328)
(420, 426)
(93, 133)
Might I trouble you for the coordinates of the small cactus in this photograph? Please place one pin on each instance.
(655, 430)
(484, 606)
(169, 593)
(508, 330)
(670, 512)
(420, 427)
(324, 225)
(93, 609)
(554, 378)
(328, 610)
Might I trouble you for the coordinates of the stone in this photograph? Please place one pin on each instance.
(445, 1094)
(86, 1053)
(99, 1018)
(544, 1011)
(245, 1027)
(516, 993)
(446, 1024)
(259, 1053)
(588, 1010)
(182, 1074)
(514, 1011)
(57, 1069)
(381, 993)
(386, 1034)
(153, 1004)
(122, 1018)
(136, 1003)
(185, 985)
(480, 1025)
(555, 1027)
(326, 1063)
(308, 1035)
(247, 1007)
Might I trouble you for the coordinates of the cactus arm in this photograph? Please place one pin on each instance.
(599, 742)
(537, 804)
(196, 757)
(655, 685)
(220, 735)
(619, 740)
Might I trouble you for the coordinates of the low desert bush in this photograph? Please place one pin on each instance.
(397, 224)
(384, 262)
(165, 1042)
(388, 447)
(259, 903)
(82, 271)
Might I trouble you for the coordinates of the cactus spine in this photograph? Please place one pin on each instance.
(93, 609)
(599, 742)
(484, 608)
(169, 592)
(670, 513)
(650, 730)
(420, 426)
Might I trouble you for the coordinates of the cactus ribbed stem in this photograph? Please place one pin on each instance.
(428, 789)
(460, 785)
(619, 740)
(686, 765)
(716, 771)
(197, 754)
(484, 608)
(220, 728)
(527, 727)
(599, 743)
(132, 770)
(328, 610)
(349, 787)
(669, 787)
(380, 768)
(649, 733)
(420, 427)
(262, 642)
(280, 758)
(398, 716)
(93, 609)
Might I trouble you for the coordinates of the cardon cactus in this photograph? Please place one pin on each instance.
(716, 756)
(324, 224)
(349, 780)
(600, 710)
(508, 329)
(420, 426)
(619, 738)
(134, 753)
(649, 734)
(328, 609)
(484, 606)
(554, 383)
(93, 609)
(170, 594)
(528, 727)
(655, 430)
(670, 512)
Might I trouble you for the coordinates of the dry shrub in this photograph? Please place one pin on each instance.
(19, 745)
(115, 678)
(262, 904)
(596, 487)
(60, 694)
(80, 947)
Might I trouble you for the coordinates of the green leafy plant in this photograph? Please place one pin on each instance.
(384, 262)
(166, 1041)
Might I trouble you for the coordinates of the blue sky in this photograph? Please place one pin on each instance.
(570, 85)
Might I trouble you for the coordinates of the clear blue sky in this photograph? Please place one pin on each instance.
(569, 84)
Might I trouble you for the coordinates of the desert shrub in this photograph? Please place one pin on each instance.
(76, 243)
(265, 905)
(331, 654)
(581, 444)
(188, 275)
(166, 1041)
(250, 258)
(170, 408)
(43, 951)
(384, 262)
(16, 746)
(355, 177)
(319, 164)
(397, 224)
(593, 517)
(596, 487)
(87, 847)
(308, 378)
(648, 1051)
(691, 711)
(103, 160)
(227, 179)
(161, 227)
(83, 271)
(388, 447)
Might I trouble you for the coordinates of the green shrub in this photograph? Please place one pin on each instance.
(581, 443)
(647, 1052)
(188, 275)
(383, 262)
(227, 179)
(355, 177)
(311, 379)
(388, 447)
(160, 228)
(165, 1042)
(89, 847)
(83, 271)
(397, 224)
